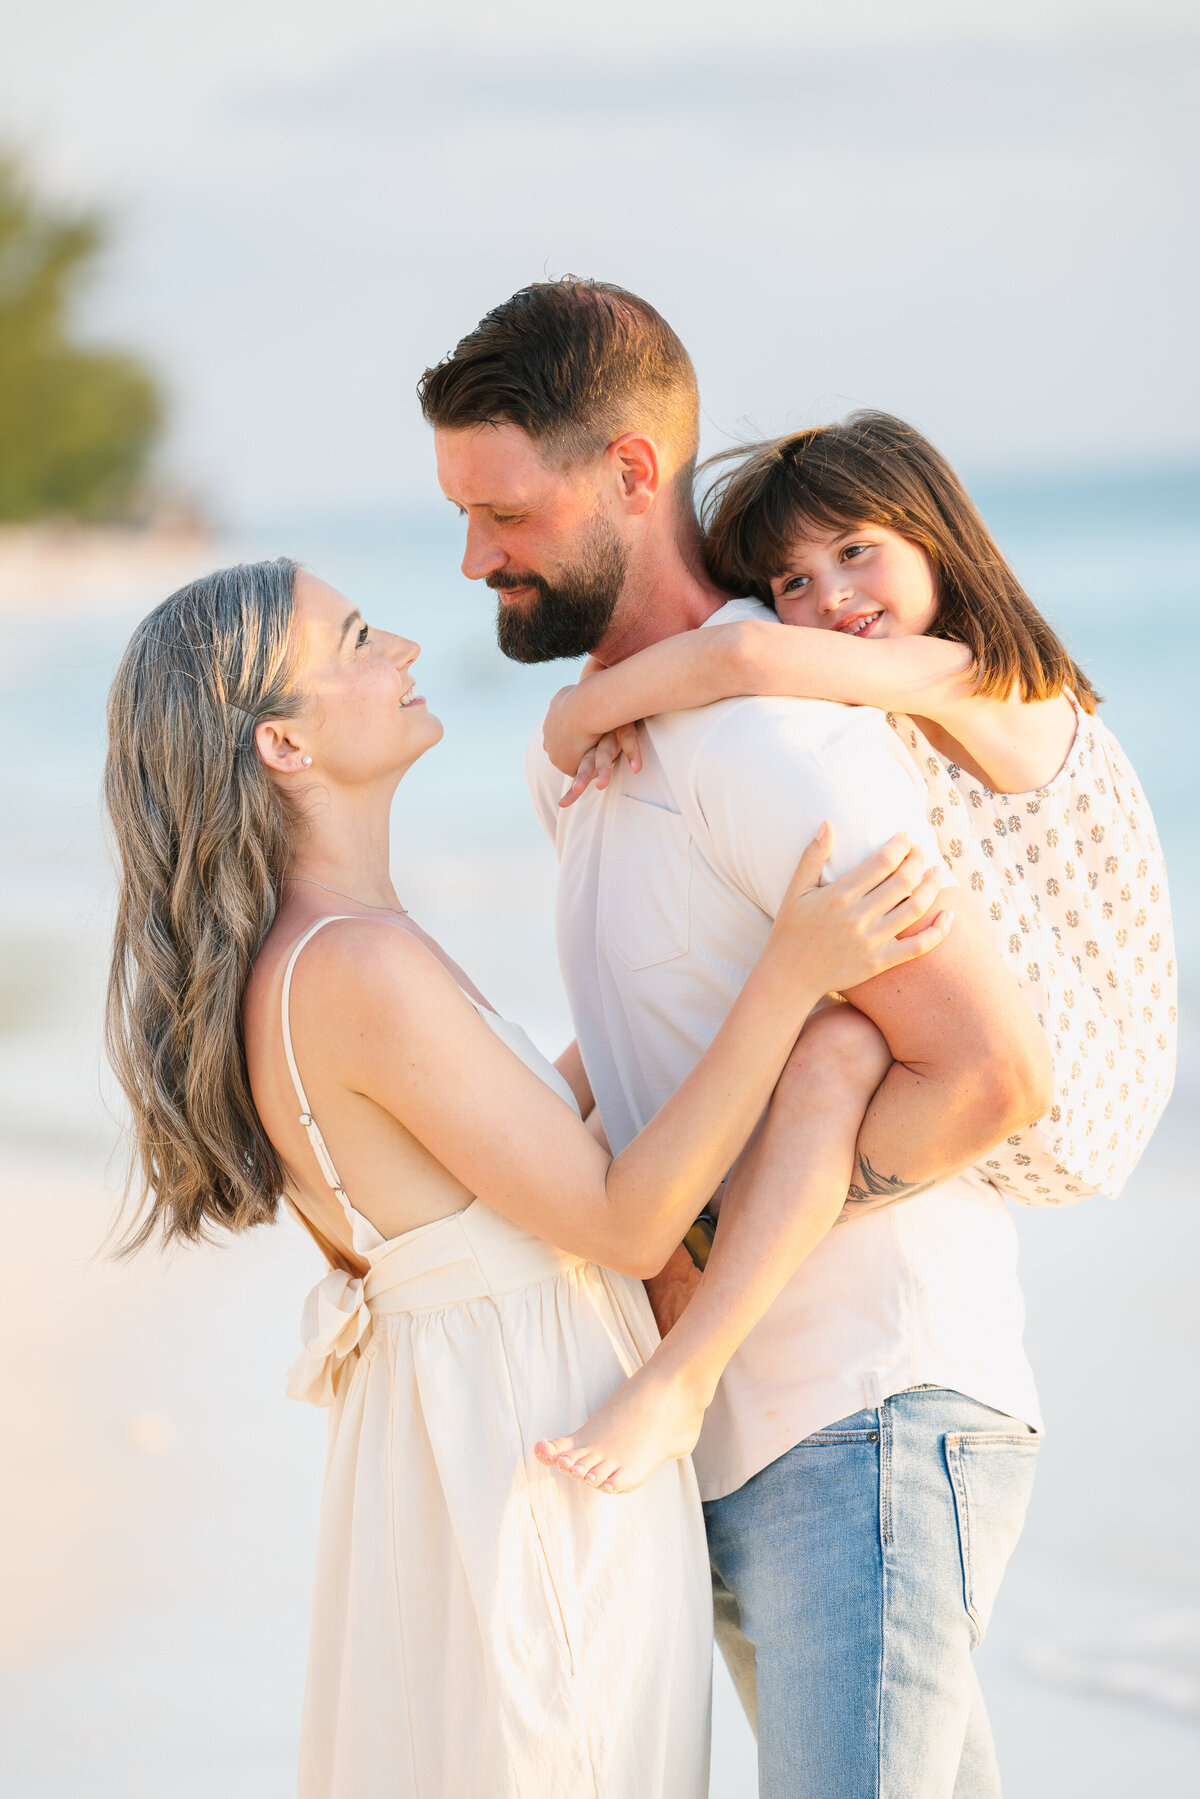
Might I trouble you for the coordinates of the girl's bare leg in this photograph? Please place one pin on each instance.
(785, 1193)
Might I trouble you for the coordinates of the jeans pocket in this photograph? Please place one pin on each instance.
(991, 1474)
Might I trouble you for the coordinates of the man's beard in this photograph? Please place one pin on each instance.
(569, 615)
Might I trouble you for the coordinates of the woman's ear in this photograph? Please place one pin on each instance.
(638, 470)
(278, 749)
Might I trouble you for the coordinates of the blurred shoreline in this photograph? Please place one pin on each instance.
(99, 569)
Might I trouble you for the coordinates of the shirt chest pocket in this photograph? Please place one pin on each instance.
(645, 889)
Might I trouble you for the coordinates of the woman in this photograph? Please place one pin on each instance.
(281, 1026)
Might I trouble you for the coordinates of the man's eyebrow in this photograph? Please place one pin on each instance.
(349, 620)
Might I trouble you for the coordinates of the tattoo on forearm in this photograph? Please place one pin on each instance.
(873, 1191)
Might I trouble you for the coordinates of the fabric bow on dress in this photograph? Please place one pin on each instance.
(334, 1321)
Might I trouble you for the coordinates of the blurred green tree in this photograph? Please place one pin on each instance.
(77, 425)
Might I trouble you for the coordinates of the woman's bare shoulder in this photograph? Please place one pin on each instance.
(354, 972)
(372, 961)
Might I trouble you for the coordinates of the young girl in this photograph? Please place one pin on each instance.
(863, 533)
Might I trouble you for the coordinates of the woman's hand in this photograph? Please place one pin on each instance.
(851, 929)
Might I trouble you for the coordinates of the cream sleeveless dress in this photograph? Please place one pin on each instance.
(483, 1627)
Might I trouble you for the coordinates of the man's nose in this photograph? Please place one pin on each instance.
(482, 553)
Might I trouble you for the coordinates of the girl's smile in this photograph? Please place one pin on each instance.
(865, 581)
(861, 622)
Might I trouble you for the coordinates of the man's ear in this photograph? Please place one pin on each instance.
(278, 749)
(635, 462)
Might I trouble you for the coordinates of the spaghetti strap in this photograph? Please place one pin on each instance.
(311, 1128)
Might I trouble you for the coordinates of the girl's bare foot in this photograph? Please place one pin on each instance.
(653, 1418)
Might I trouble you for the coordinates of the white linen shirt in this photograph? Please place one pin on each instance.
(668, 883)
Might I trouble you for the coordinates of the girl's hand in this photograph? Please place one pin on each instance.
(574, 748)
(565, 739)
(851, 930)
(599, 760)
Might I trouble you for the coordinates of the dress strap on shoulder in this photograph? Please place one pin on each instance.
(312, 1130)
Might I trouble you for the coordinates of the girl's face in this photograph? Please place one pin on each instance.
(364, 720)
(865, 582)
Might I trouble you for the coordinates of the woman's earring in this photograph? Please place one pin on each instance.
(306, 761)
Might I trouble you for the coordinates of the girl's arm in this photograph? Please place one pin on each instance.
(1015, 746)
(754, 656)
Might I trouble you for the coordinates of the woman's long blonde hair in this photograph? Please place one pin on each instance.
(203, 839)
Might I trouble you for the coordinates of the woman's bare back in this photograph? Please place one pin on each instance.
(392, 1179)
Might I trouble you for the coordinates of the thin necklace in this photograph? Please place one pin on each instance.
(400, 911)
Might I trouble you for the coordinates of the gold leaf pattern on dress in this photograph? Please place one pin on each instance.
(1111, 994)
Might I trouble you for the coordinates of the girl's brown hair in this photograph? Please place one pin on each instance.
(874, 469)
(202, 839)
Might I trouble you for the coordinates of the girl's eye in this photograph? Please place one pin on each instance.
(855, 549)
(793, 584)
(362, 637)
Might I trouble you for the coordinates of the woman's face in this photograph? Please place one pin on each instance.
(865, 582)
(364, 719)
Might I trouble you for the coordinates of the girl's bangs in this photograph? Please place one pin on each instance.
(811, 508)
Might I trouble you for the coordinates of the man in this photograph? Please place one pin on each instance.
(867, 1461)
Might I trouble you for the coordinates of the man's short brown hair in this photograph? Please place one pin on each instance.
(574, 364)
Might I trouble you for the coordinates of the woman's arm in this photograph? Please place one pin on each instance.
(401, 1032)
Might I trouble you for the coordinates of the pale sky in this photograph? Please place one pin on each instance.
(981, 216)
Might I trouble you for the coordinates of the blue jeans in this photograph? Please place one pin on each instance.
(852, 1579)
